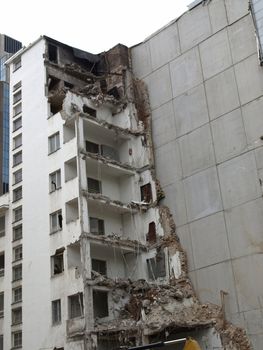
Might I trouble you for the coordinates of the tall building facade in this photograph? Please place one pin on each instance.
(8, 46)
(91, 259)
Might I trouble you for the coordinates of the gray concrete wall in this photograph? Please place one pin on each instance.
(206, 93)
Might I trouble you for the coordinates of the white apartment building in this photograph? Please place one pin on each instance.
(89, 256)
(83, 230)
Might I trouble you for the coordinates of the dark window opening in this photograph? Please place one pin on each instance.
(151, 236)
(100, 304)
(156, 266)
(58, 262)
(60, 220)
(96, 226)
(2, 264)
(55, 106)
(68, 85)
(94, 186)
(103, 86)
(114, 92)
(146, 193)
(56, 311)
(99, 266)
(92, 147)
(92, 112)
(53, 53)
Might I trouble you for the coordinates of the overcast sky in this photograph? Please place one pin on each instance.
(94, 26)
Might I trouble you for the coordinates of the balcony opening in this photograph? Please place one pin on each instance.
(99, 266)
(151, 236)
(90, 111)
(72, 210)
(109, 152)
(156, 266)
(69, 131)
(70, 169)
(94, 185)
(74, 258)
(96, 226)
(57, 262)
(75, 304)
(100, 304)
(92, 147)
(146, 193)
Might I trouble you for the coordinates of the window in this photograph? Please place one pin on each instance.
(17, 109)
(17, 232)
(92, 147)
(17, 214)
(96, 226)
(17, 339)
(17, 194)
(17, 86)
(17, 176)
(75, 305)
(53, 143)
(17, 64)
(156, 265)
(17, 158)
(92, 112)
(1, 342)
(55, 181)
(17, 253)
(151, 237)
(2, 226)
(2, 264)
(57, 262)
(99, 266)
(17, 294)
(56, 221)
(17, 272)
(17, 141)
(2, 304)
(56, 311)
(17, 316)
(94, 186)
(17, 96)
(100, 304)
(17, 124)
(146, 193)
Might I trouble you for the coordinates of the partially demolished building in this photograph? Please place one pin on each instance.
(92, 254)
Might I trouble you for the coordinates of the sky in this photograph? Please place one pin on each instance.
(93, 26)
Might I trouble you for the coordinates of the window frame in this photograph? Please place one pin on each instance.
(15, 210)
(15, 121)
(19, 344)
(18, 248)
(14, 269)
(57, 181)
(56, 312)
(20, 160)
(52, 148)
(16, 299)
(17, 194)
(58, 227)
(15, 173)
(15, 228)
